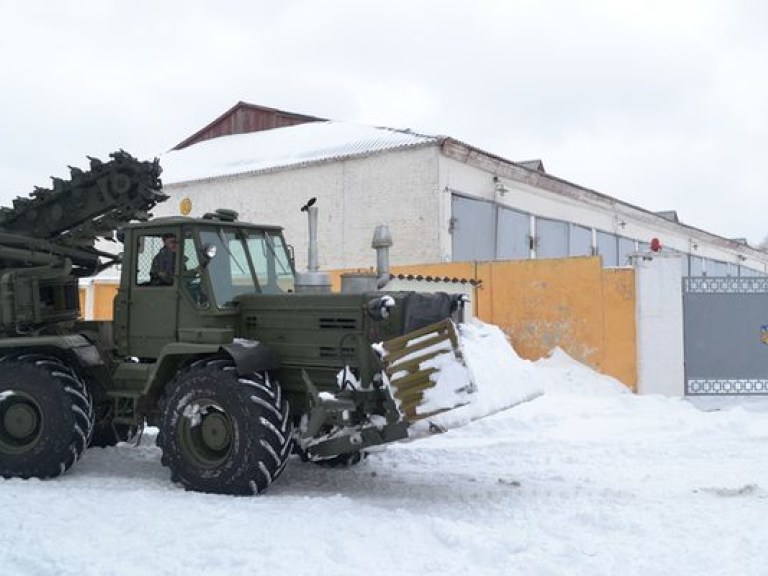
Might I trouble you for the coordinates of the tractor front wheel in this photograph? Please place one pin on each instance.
(224, 433)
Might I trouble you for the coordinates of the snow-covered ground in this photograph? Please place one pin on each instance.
(586, 479)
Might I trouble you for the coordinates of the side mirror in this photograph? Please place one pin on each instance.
(291, 256)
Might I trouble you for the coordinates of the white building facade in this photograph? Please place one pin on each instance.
(443, 200)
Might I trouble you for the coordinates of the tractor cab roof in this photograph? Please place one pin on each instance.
(221, 217)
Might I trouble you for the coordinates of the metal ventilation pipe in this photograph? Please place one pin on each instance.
(382, 240)
(312, 280)
(312, 259)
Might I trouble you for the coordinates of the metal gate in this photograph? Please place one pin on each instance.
(725, 323)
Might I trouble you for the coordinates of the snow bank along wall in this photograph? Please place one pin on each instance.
(573, 303)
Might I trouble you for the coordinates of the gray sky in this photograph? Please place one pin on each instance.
(663, 104)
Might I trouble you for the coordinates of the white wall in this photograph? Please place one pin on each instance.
(660, 352)
(475, 178)
(396, 188)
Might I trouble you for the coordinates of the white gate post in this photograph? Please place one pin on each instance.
(659, 310)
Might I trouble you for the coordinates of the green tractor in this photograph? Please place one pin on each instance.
(216, 340)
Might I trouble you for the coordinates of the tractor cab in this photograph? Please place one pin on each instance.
(183, 276)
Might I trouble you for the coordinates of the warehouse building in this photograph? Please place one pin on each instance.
(444, 200)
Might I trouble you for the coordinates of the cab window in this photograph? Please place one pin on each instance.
(156, 259)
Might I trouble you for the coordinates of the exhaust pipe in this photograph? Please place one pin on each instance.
(361, 282)
(312, 259)
(382, 241)
(312, 281)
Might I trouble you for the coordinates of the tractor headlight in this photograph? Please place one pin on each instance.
(379, 308)
(210, 251)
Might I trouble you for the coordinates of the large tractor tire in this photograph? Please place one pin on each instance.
(224, 433)
(46, 417)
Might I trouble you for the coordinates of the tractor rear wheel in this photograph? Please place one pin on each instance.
(224, 433)
(46, 416)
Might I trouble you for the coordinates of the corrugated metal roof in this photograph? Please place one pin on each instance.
(284, 147)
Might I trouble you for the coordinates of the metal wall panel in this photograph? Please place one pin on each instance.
(626, 247)
(579, 241)
(685, 265)
(725, 324)
(747, 272)
(513, 236)
(716, 268)
(551, 238)
(697, 266)
(608, 248)
(474, 229)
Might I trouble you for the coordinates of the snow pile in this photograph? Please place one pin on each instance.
(501, 377)
(559, 373)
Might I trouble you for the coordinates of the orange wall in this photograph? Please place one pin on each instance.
(104, 295)
(573, 303)
(81, 294)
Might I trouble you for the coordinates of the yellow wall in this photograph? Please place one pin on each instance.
(573, 303)
(104, 295)
(82, 296)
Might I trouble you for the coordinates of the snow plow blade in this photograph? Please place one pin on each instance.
(426, 371)
(444, 376)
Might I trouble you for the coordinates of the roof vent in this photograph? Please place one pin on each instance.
(222, 214)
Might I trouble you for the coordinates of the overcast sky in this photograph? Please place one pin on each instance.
(663, 104)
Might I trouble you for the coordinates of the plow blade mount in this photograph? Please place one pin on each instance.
(426, 371)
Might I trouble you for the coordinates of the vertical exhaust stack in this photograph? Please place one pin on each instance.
(382, 241)
(312, 281)
(361, 282)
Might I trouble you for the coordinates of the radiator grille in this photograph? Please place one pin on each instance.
(338, 323)
(336, 352)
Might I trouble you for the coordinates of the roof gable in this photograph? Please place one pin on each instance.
(243, 118)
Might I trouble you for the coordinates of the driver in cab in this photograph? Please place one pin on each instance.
(164, 262)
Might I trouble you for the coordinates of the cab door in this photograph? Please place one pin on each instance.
(153, 304)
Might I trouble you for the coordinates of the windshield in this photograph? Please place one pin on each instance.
(246, 262)
(271, 261)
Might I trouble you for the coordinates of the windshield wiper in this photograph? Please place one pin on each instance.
(232, 258)
(269, 241)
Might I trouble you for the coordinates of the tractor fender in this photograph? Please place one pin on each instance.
(72, 347)
(250, 356)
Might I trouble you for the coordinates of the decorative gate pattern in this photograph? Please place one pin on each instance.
(725, 323)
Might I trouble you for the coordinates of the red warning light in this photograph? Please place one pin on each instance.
(655, 244)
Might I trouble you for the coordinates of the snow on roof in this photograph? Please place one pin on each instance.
(282, 148)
